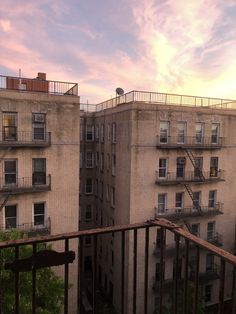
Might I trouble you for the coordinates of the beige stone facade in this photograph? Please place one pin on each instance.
(149, 160)
(39, 171)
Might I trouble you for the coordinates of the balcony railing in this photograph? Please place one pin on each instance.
(38, 183)
(216, 239)
(128, 253)
(38, 85)
(171, 142)
(173, 178)
(30, 228)
(191, 211)
(24, 139)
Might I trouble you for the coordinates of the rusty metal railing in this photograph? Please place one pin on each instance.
(133, 284)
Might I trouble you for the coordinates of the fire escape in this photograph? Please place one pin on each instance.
(4, 197)
(199, 174)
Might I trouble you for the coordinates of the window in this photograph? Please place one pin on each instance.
(162, 168)
(179, 200)
(199, 133)
(102, 133)
(39, 214)
(108, 132)
(208, 293)
(158, 238)
(81, 160)
(89, 186)
(214, 167)
(89, 159)
(39, 171)
(196, 229)
(10, 216)
(161, 207)
(113, 132)
(9, 126)
(113, 200)
(198, 162)
(107, 193)
(101, 190)
(88, 241)
(108, 162)
(181, 129)
(88, 264)
(81, 130)
(196, 200)
(97, 160)
(215, 127)
(88, 212)
(212, 199)
(113, 165)
(180, 167)
(209, 262)
(96, 187)
(102, 162)
(10, 172)
(97, 133)
(89, 133)
(164, 132)
(39, 126)
(210, 230)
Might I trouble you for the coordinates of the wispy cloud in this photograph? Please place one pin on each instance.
(165, 45)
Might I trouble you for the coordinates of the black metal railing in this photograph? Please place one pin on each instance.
(132, 286)
(189, 176)
(30, 228)
(38, 85)
(16, 138)
(190, 142)
(13, 185)
(215, 238)
(189, 211)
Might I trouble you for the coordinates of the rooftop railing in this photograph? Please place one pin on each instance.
(127, 237)
(38, 85)
(167, 99)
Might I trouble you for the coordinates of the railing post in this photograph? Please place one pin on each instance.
(122, 271)
(146, 270)
(16, 283)
(66, 279)
(34, 281)
(134, 271)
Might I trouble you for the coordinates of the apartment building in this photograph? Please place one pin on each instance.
(150, 155)
(39, 156)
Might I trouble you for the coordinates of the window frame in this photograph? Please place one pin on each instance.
(164, 132)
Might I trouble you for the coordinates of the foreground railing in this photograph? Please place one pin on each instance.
(133, 287)
(38, 85)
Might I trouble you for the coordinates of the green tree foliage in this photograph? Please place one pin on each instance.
(49, 287)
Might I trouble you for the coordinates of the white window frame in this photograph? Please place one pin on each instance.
(90, 191)
(4, 216)
(89, 130)
(161, 205)
(33, 215)
(5, 173)
(181, 203)
(181, 132)
(89, 160)
(211, 232)
(164, 132)
(212, 200)
(199, 133)
(215, 135)
(163, 168)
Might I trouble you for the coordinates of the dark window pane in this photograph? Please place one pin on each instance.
(10, 166)
(39, 208)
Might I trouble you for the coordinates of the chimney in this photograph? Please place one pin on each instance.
(41, 76)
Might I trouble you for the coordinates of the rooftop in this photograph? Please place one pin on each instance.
(163, 99)
(39, 84)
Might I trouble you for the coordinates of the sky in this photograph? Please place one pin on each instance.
(173, 46)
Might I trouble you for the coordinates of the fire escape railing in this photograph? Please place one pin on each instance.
(127, 237)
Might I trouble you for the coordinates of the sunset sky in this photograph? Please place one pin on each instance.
(175, 46)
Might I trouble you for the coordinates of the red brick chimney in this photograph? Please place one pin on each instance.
(41, 76)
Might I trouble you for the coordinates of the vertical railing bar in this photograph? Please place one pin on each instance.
(196, 283)
(16, 283)
(34, 281)
(222, 287)
(66, 279)
(185, 296)
(80, 275)
(135, 271)
(146, 270)
(175, 298)
(234, 291)
(94, 274)
(162, 270)
(122, 271)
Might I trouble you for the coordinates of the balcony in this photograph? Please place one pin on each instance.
(39, 85)
(30, 228)
(191, 142)
(128, 270)
(13, 138)
(37, 183)
(172, 178)
(191, 211)
(216, 239)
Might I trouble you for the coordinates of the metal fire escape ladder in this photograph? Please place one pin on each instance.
(5, 197)
(188, 226)
(190, 193)
(197, 169)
